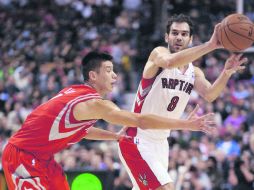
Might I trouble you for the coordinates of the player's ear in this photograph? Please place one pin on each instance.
(166, 37)
(92, 75)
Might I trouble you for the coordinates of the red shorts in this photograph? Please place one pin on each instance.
(25, 171)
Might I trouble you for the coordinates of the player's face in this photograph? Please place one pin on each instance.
(179, 36)
(105, 77)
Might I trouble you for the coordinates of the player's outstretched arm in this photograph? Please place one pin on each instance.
(211, 91)
(161, 57)
(108, 111)
(100, 134)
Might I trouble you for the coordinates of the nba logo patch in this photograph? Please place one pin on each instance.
(136, 140)
(143, 180)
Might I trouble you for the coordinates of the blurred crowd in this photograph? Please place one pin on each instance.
(42, 44)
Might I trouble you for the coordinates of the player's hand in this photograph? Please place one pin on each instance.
(203, 123)
(214, 40)
(193, 115)
(122, 134)
(234, 63)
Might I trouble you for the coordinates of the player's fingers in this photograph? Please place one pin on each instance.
(208, 116)
(210, 123)
(240, 68)
(194, 111)
(204, 130)
(200, 123)
(243, 61)
(206, 120)
(217, 26)
(212, 130)
(208, 130)
(238, 57)
(232, 56)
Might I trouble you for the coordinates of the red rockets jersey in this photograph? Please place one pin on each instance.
(52, 127)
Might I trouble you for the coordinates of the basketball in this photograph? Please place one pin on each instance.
(236, 32)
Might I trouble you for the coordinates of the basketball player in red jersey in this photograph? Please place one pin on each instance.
(167, 82)
(28, 158)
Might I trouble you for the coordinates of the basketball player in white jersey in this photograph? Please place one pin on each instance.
(167, 82)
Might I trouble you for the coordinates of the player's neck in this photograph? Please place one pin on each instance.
(183, 68)
(88, 84)
(95, 87)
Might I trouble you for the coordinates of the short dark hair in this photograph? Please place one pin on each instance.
(92, 62)
(180, 18)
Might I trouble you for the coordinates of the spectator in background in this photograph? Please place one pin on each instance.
(244, 179)
(250, 114)
(234, 120)
(229, 146)
(4, 96)
(214, 173)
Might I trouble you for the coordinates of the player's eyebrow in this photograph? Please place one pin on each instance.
(109, 67)
(175, 30)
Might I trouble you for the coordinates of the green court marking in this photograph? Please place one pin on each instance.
(86, 181)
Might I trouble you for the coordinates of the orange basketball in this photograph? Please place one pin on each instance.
(236, 32)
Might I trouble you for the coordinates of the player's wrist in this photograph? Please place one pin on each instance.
(186, 124)
(227, 72)
(211, 46)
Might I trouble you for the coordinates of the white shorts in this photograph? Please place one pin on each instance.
(146, 162)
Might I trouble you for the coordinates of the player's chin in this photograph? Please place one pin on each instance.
(178, 48)
(110, 88)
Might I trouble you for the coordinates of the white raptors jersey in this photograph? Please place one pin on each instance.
(166, 95)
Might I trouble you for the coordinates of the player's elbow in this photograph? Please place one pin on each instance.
(209, 99)
(165, 62)
(171, 62)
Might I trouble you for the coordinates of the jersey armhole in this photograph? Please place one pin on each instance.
(72, 118)
(148, 81)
